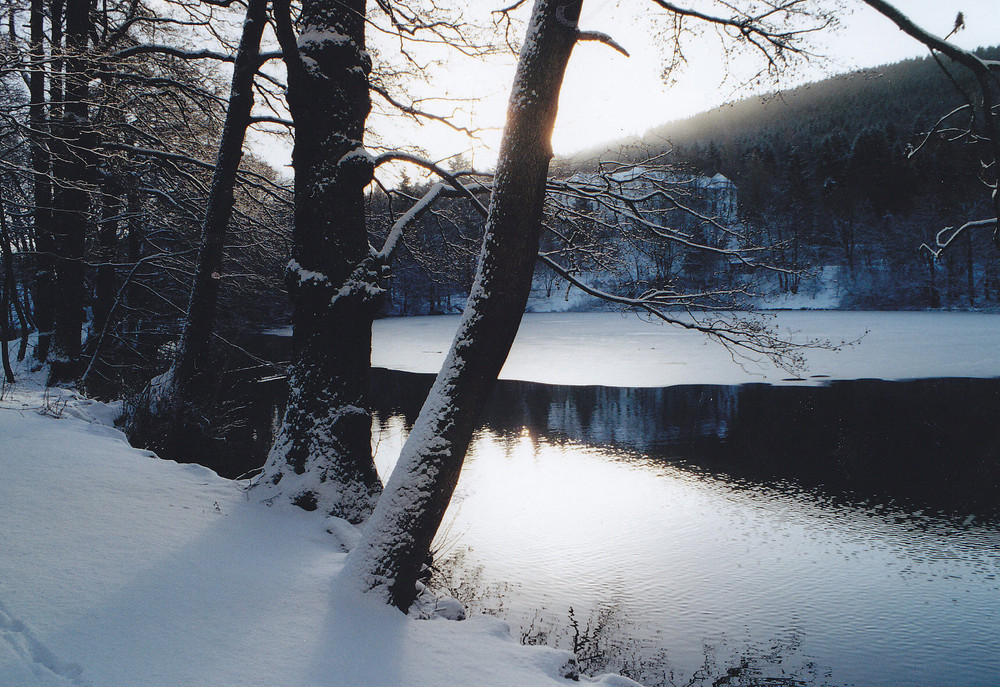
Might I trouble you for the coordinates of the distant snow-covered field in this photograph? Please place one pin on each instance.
(621, 350)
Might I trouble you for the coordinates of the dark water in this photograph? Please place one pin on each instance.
(840, 534)
(843, 534)
(924, 444)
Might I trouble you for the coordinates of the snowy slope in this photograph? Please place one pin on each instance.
(117, 568)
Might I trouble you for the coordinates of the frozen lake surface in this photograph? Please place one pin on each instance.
(721, 519)
(840, 533)
(612, 349)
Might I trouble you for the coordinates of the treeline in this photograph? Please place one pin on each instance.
(843, 172)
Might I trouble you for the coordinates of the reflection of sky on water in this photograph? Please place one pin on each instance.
(876, 594)
(921, 444)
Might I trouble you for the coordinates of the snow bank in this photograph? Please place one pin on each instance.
(118, 568)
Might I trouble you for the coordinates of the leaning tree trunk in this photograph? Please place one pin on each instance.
(398, 537)
(321, 458)
(192, 361)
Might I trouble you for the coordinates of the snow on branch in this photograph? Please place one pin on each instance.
(452, 179)
(604, 38)
(450, 186)
(415, 211)
(937, 128)
(944, 238)
(984, 124)
(604, 197)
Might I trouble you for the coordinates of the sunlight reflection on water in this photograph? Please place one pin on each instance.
(696, 561)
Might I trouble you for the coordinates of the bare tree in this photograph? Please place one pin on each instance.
(74, 165)
(397, 540)
(179, 398)
(120, 125)
(398, 537)
(322, 455)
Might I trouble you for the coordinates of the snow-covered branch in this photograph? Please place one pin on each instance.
(947, 236)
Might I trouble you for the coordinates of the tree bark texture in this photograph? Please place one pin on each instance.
(322, 457)
(398, 538)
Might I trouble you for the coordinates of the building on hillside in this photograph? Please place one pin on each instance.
(641, 228)
(714, 197)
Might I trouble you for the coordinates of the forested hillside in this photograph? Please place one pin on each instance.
(838, 181)
(827, 170)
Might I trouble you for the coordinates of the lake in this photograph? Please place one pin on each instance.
(827, 527)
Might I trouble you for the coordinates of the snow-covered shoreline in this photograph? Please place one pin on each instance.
(118, 568)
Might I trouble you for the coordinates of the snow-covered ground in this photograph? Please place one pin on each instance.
(120, 569)
(621, 350)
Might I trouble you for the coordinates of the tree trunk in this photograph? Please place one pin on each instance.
(74, 171)
(193, 356)
(133, 246)
(106, 286)
(398, 538)
(7, 293)
(322, 457)
(40, 165)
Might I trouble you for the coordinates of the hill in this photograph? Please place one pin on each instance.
(825, 168)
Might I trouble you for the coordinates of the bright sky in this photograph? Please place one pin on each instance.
(606, 95)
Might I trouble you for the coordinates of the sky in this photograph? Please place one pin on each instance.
(607, 96)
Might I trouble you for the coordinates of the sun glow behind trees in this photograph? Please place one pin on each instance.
(607, 96)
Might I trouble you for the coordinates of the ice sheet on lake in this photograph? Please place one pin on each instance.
(622, 350)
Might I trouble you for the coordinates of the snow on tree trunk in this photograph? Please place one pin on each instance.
(398, 537)
(322, 455)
